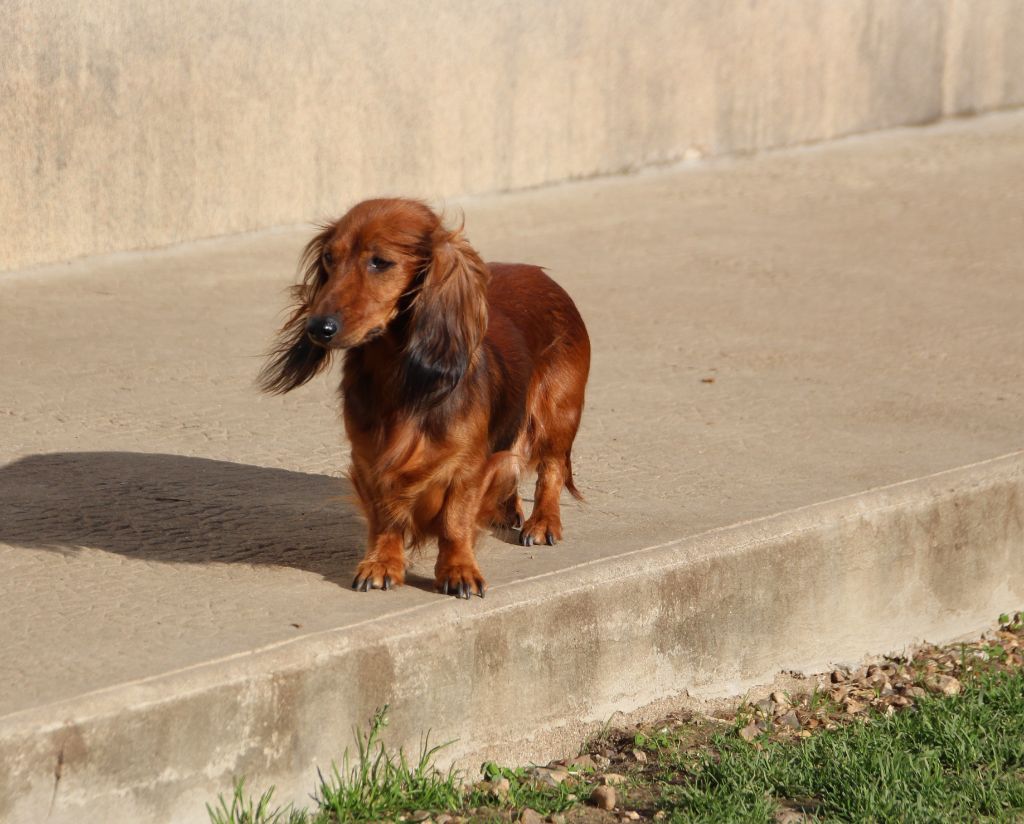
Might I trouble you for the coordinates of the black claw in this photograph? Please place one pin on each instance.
(387, 583)
(519, 521)
(444, 589)
(464, 591)
(480, 588)
(355, 582)
(366, 585)
(551, 539)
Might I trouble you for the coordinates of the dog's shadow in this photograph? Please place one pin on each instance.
(176, 509)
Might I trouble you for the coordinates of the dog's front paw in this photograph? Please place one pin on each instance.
(378, 575)
(460, 580)
(541, 529)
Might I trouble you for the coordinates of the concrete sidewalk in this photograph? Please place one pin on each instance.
(787, 350)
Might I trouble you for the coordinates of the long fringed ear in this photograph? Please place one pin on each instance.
(448, 319)
(295, 359)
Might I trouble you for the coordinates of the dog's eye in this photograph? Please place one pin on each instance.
(378, 264)
(328, 258)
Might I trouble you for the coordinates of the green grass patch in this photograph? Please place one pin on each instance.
(379, 784)
(955, 758)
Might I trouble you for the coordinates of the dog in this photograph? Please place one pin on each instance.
(458, 374)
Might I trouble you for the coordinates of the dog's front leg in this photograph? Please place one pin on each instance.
(383, 567)
(456, 572)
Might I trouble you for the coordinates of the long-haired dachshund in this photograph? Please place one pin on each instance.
(457, 373)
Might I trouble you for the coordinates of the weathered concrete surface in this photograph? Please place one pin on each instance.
(132, 125)
(175, 549)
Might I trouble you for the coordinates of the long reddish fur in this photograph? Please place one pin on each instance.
(458, 375)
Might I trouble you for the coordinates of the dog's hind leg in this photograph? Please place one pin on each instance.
(555, 407)
(544, 525)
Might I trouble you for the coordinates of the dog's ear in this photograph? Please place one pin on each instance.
(448, 320)
(295, 359)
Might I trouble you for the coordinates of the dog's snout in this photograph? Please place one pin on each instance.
(321, 328)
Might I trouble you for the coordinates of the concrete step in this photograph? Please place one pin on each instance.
(801, 445)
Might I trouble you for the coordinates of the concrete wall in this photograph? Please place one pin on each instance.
(132, 125)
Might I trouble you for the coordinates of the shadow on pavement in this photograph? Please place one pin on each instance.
(177, 509)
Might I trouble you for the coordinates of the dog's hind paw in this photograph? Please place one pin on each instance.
(541, 530)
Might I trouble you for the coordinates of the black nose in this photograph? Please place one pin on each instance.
(322, 328)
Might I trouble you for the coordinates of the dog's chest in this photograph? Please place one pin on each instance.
(403, 461)
(408, 480)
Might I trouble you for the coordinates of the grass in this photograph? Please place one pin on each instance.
(955, 758)
(242, 809)
(380, 784)
(943, 758)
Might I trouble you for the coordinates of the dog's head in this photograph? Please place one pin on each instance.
(388, 267)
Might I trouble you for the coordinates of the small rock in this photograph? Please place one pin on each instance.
(556, 818)
(791, 720)
(944, 684)
(887, 689)
(631, 815)
(549, 777)
(582, 762)
(640, 756)
(838, 694)
(658, 816)
(500, 787)
(852, 707)
(418, 815)
(529, 816)
(443, 818)
(780, 699)
(612, 779)
(765, 706)
(750, 732)
(914, 691)
(601, 760)
(837, 677)
(790, 817)
(603, 797)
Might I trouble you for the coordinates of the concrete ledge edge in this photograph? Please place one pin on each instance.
(518, 675)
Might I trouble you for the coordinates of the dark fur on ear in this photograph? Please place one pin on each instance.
(448, 319)
(295, 359)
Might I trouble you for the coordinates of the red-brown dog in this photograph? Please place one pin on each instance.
(456, 373)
